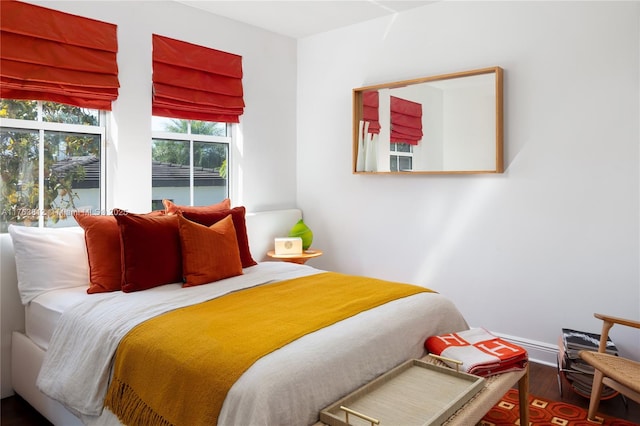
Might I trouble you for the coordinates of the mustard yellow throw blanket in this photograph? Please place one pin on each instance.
(177, 368)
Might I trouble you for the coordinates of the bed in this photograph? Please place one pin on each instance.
(288, 385)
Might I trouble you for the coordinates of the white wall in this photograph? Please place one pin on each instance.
(263, 163)
(524, 253)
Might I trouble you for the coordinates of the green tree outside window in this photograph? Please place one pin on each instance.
(66, 155)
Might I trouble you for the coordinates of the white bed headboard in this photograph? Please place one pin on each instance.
(262, 228)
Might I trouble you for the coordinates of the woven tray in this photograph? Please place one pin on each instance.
(414, 393)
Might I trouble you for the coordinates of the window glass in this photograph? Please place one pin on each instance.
(210, 172)
(164, 124)
(59, 113)
(19, 165)
(49, 170)
(208, 128)
(170, 172)
(171, 152)
(403, 147)
(72, 180)
(405, 163)
(20, 110)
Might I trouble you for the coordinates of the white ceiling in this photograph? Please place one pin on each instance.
(301, 18)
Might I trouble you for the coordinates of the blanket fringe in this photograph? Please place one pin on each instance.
(124, 402)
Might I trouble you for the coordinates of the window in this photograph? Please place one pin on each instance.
(197, 91)
(189, 161)
(51, 159)
(401, 157)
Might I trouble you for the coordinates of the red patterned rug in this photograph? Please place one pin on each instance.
(543, 412)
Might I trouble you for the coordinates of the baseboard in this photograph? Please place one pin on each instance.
(540, 352)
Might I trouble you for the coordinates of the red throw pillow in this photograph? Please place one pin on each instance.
(102, 238)
(237, 214)
(150, 250)
(208, 253)
(172, 208)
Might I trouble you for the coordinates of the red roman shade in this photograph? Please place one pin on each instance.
(406, 121)
(54, 56)
(370, 104)
(196, 83)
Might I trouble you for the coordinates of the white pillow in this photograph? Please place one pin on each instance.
(48, 259)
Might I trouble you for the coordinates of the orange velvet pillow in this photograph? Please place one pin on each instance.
(150, 250)
(172, 208)
(102, 238)
(237, 214)
(208, 253)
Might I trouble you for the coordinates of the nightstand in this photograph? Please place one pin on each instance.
(300, 259)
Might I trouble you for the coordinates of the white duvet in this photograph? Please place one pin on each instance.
(287, 387)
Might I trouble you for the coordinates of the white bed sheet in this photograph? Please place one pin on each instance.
(288, 386)
(43, 312)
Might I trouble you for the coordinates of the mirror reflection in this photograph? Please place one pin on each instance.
(442, 124)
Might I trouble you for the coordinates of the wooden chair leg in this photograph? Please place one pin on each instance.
(596, 393)
(523, 397)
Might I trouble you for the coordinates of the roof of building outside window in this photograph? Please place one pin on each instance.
(163, 174)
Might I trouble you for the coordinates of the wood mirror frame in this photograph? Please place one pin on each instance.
(460, 120)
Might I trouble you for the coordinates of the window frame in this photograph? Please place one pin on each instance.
(42, 126)
(196, 137)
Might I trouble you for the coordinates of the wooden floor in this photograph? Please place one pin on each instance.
(543, 383)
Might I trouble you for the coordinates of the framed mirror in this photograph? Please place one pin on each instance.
(451, 123)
